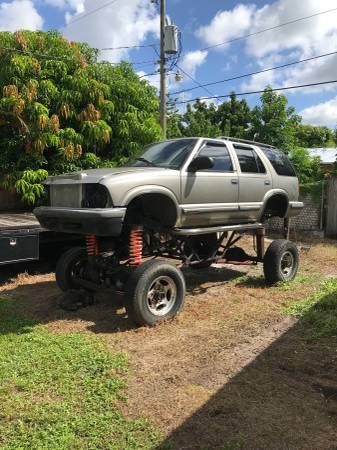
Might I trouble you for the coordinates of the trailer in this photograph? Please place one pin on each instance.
(22, 239)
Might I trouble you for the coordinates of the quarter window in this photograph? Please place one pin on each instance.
(249, 160)
(220, 156)
(279, 161)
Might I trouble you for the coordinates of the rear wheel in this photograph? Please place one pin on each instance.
(281, 261)
(155, 292)
(70, 265)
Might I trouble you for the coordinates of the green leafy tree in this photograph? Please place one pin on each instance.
(61, 110)
(200, 120)
(308, 168)
(233, 117)
(274, 122)
(310, 136)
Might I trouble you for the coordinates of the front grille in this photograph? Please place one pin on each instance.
(88, 195)
(66, 195)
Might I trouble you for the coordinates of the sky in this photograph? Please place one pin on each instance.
(205, 23)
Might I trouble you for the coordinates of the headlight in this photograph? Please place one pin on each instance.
(95, 196)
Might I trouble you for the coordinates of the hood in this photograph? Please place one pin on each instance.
(97, 175)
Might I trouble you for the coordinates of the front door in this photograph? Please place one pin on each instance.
(210, 197)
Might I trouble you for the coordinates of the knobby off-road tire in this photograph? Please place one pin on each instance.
(68, 266)
(155, 292)
(281, 261)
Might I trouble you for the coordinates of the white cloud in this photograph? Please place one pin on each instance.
(76, 5)
(192, 60)
(125, 23)
(19, 14)
(321, 114)
(226, 25)
(300, 40)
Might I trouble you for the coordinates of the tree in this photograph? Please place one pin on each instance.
(308, 168)
(274, 122)
(199, 120)
(310, 136)
(233, 117)
(62, 110)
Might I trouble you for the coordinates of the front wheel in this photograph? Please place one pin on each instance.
(70, 265)
(155, 292)
(281, 261)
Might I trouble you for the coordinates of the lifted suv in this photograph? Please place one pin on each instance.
(179, 200)
(181, 183)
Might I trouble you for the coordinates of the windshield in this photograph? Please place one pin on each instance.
(167, 154)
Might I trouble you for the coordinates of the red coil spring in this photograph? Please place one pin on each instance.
(136, 246)
(92, 245)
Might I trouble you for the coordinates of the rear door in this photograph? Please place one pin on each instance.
(210, 196)
(254, 181)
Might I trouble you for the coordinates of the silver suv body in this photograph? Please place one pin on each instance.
(190, 182)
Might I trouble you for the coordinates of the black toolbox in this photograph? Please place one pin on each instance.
(19, 245)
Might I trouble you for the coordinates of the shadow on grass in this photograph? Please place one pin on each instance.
(40, 300)
(285, 399)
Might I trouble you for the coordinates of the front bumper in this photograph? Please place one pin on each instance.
(100, 222)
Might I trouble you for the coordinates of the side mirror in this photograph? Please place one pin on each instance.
(201, 163)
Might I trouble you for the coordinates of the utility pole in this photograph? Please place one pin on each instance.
(162, 67)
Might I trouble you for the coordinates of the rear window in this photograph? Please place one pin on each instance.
(279, 161)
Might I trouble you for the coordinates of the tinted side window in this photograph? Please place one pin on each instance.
(249, 160)
(221, 157)
(279, 161)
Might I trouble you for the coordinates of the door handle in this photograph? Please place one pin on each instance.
(267, 182)
(234, 181)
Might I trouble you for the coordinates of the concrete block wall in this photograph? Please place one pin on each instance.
(308, 219)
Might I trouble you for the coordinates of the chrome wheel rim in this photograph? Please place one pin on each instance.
(161, 296)
(287, 264)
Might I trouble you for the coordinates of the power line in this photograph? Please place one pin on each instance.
(37, 55)
(267, 29)
(155, 73)
(253, 73)
(195, 81)
(260, 91)
(148, 75)
(126, 47)
(65, 58)
(82, 16)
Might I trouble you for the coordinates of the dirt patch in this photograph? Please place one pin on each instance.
(230, 367)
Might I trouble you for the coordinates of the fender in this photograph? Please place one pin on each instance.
(152, 189)
(270, 194)
(149, 189)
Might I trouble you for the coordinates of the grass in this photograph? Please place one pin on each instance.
(319, 310)
(59, 391)
(252, 281)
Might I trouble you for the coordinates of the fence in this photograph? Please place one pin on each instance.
(312, 216)
(331, 208)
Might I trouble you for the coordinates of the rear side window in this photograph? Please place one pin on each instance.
(279, 161)
(249, 160)
(220, 155)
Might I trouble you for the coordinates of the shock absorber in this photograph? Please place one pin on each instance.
(136, 246)
(92, 245)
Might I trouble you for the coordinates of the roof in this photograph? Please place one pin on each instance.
(326, 155)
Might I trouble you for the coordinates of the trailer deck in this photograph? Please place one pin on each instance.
(18, 220)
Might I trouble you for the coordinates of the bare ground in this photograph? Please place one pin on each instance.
(231, 371)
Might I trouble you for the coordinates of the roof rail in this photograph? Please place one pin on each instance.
(245, 141)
